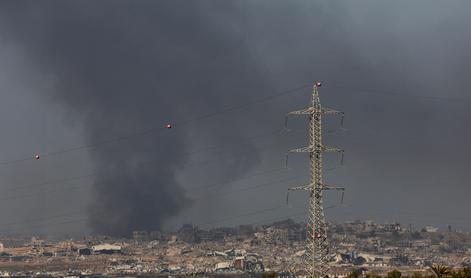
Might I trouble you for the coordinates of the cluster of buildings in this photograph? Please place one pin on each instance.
(376, 246)
(278, 247)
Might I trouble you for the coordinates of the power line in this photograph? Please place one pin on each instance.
(203, 149)
(226, 110)
(94, 173)
(84, 219)
(215, 185)
(68, 214)
(203, 224)
(24, 196)
(247, 188)
(9, 231)
(96, 213)
(255, 213)
(398, 94)
(207, 223)
(51, 182)
(46, 218)
(160, 128)
(229, 181)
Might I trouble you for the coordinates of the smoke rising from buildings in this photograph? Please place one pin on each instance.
(124, 66)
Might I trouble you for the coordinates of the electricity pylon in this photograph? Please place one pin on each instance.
(317, 247)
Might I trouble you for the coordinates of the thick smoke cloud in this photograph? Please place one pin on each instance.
(126, 66)
(121, 66)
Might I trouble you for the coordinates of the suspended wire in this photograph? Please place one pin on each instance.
(84, 211)
(247, 188)
(215, 185)
(94, 173)
(304, 212)
(222, 111)
(423, 216)
(260, 211)
(229, 181)
(207, 223)
(42, 219)
(188, 165)
(160, 128)
(252, 213)
(50, 182)
(82, 219)
(42, 225)
(81, 186)
(270, 220)
(204, 224)
(25, 196)
(397, 94)
(183, 122)
(16, 197)
(46, 218)
(84, 186)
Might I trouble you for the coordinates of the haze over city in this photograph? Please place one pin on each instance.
(90, 86)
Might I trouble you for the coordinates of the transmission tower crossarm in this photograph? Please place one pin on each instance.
(330, 149)
(332, 187)
(306, 187)
(337, 150)
(307, 149)
(302, 150)
(305, 111)
(301, 187)
(328, 111)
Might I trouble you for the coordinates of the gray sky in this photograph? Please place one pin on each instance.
(75, 73)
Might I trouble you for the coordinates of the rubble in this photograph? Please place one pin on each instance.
(278, 247)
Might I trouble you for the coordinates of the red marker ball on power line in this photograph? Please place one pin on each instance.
(318, 84)
(168, 126)
(37, 156)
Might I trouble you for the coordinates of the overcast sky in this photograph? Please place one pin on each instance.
(77, 73)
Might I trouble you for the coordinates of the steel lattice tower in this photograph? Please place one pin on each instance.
(317, 247)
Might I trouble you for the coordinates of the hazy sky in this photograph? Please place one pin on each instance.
(76, 73)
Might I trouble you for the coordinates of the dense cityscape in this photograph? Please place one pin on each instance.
(362, 246)
(170, 139)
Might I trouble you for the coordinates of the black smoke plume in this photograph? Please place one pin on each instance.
(399, 71)
(122, 67)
